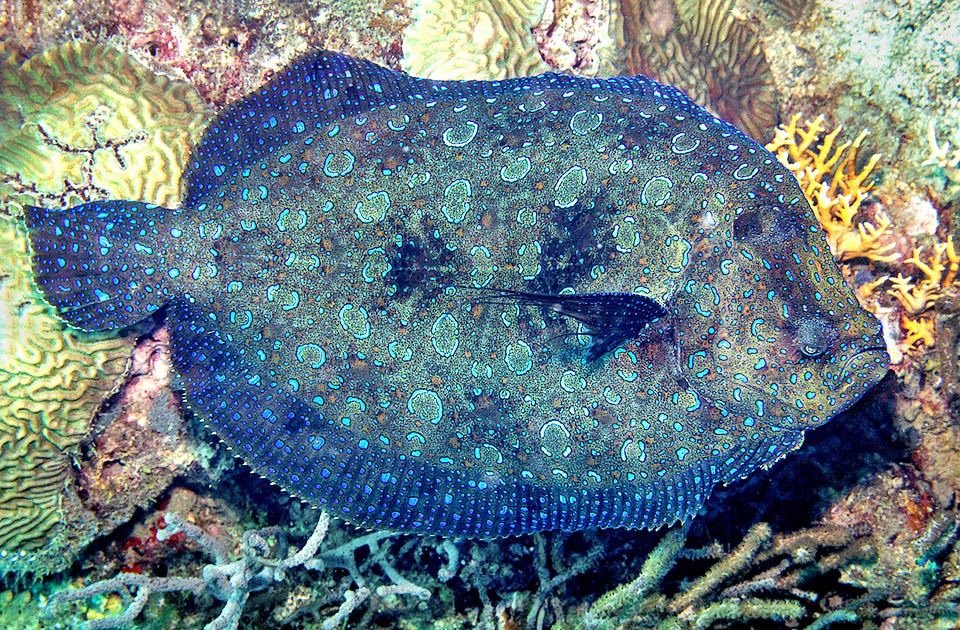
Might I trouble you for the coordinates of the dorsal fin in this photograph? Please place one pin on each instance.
(324, 86)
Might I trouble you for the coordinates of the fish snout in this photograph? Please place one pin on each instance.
(861, 365)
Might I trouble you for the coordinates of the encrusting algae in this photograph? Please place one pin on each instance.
(837, 190)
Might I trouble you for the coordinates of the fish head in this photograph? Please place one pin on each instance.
(772, 332)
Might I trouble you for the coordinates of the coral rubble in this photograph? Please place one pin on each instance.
(582, 36)
(232, 579)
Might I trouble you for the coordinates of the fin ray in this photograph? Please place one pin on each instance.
(611, 318)
(324, 86)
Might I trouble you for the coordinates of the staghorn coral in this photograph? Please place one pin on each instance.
(760, 580)
(85, 121)
(841, 571)
(705, 48)
(473, 39)
(52, 381)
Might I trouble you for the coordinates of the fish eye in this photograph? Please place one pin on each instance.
(812, 336)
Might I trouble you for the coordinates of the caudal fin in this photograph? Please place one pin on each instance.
(101, 264)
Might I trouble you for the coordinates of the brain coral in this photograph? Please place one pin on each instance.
(473, 39)
(77, 122)
(52, 381)
(700, 47)
(85, 121)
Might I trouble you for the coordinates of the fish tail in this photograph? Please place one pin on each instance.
(101, 265)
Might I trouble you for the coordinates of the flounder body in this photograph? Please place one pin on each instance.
(481, 308)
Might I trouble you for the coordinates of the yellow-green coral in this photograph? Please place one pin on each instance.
(78, 122)
(86, 121)
(52, 381)
(473, 39)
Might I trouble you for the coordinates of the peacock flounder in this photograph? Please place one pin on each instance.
(481, 308)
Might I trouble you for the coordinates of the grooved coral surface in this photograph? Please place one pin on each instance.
(473, 39)
(52, 381)
(85, 121)
(706, 49)
(78, 122)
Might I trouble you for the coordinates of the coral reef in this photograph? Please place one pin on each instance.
(139, 445)
(52, 382)
(835, 189)
(890, 65)
(770, 578)
(582, 36)
(473, 39)
(943, 164)
(913, 541)
(708, 50)
(884, 552)
(84, 121)
(225, 48)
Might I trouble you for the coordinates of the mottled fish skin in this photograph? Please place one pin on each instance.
(324, 289)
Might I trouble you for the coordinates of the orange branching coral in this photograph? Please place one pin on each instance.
(917, 333)
(835, 189)
(918, 298)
